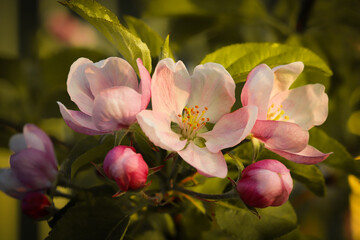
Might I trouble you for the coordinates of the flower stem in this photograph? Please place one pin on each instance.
(228, 195)
(120, 135)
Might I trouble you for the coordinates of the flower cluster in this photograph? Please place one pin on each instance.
(191, 116)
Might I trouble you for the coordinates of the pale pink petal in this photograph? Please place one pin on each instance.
(206, 162)
(38, 139)
(285, 75)
(257, 89)
(212, 87)
(231, 129)
(78, 86)
(144, 84)
(281, 135)
(309, 155)
(157, 127)
(116, 108)
(10, 185)
(170, 87)
(17, 142)
(306, 106)
(31, 167)
(79, 122)
(110, 72)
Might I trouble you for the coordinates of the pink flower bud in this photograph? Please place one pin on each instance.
(33, 166)
(126, 167)
(265, 183)
(35, 204)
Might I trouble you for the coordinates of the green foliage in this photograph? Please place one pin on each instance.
(80, 148)
(240, 223)
(240, 59)
(340, 158)
(97, 218)
(128, 45)
(165, 49)
(146, 34)
(95, 155)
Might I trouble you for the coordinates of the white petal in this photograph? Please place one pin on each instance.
(306, 106)
(157, 127)
(206, 162)
(170, 87)
(257, 89)
(78, 86)
(285, 75)
(231, 129)
(111, 72)
(17, 142)
(212, 87)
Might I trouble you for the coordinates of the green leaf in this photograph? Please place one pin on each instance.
(296, 235)
(240, 59)
(156, 235)
(274, 222)
(80, 148)
(128, 45)
(341, 158)
(97, 218)
(146, 34)
(95, 154)
(165, 51)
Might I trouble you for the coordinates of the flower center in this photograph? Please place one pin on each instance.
(277, 114)
(191, 121)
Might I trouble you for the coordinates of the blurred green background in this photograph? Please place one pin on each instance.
(40, 39)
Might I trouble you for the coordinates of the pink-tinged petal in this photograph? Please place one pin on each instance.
(212, 87)
(110, 72)
(17, 142)
(38, 139)
(78, 86)
(268, 164)
(281, 135)
(309, 155)
(31, 167)
(285, 75)
(116, 108)
(306, 106)
(144, 84)
(206, 162)
(257, 89)
(157, 127)
(79, 122)
(231, 129)
(170, 87)
(10, 185)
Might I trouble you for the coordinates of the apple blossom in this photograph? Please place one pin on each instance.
(126, 167)
(265, 183)
(33, 166)
(35, 204)
(183, 107)
(285, 116)
(107, 94)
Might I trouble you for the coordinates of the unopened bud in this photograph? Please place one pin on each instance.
(265, 183)
(126, 167)
(35, 205)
